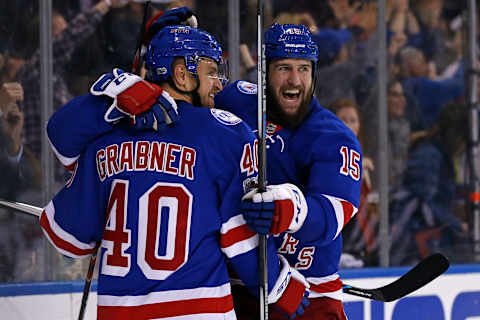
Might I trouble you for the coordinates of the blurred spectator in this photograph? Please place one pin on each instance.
(19, 167)
(428, 14)
(422, 211)
(398, 133)
(249, 66)
(20, 174)
(339, 68)
(402, 114)
(26, 69)
(430, 95)
(359, 239)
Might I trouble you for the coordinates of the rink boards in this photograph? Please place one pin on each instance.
(453, 296)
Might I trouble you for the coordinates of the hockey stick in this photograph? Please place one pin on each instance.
(424, 272)
(262, 157)
(138, 60)
(22, 207)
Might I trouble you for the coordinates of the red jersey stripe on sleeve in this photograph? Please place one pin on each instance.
(236, 235)
(236, 238)
(348, 211)
(66, 247)
(344, 212)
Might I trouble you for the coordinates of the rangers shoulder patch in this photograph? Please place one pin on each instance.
(247, 87)
(225, 117)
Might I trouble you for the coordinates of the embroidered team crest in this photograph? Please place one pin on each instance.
(247, 87)
(272, 128)
(225, 117)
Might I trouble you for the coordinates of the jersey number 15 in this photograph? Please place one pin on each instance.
(350, 163)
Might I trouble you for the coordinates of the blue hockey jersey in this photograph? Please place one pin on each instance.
(323, 158)
(163, 206)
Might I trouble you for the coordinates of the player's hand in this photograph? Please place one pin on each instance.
(177, 16)
(290, 293)
(146, 104)
(281, 208)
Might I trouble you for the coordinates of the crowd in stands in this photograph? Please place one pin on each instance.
(427, 110)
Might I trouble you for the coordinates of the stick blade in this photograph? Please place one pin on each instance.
(424, 272)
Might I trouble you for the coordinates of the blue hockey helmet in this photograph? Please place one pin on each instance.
(180, 41)
(290, 41)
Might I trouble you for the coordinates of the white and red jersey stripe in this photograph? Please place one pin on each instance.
(63, 241)
(328, 286)
(236, 238)
(344, 212)
(207, 303)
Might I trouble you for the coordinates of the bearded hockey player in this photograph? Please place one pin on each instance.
(310, 150)
(163, 201)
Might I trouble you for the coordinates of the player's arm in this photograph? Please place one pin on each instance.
(240, 244)
(314, 214)
(74, 220)
(74, 126)
(332, 190)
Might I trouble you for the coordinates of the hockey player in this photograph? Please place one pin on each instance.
(164, 203)
(311, 155)
(308, 147)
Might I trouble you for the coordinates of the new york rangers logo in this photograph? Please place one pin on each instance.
(225, 117)
(247, 87)
(272, 128)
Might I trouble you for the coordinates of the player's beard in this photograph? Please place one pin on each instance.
(276, 115)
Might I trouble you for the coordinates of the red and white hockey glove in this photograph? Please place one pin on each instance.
(282, 208)
(146, 104)
(290, 292)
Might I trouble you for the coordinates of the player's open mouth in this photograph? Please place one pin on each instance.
(291, 94)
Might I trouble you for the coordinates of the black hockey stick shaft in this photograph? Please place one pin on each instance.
(423, 273)
(138, 59)
(262, 157)
(88, 281)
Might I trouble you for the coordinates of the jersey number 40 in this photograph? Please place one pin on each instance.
(160, 197)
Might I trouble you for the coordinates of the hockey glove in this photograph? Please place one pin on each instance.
(182, 15)
(282, 208)
(290, 292)
(146, 104)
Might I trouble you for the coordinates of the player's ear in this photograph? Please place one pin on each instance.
(180, 74)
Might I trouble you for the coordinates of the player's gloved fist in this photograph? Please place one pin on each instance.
(133, 97)
(281, 208)
(177, 16)
(290, 293)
